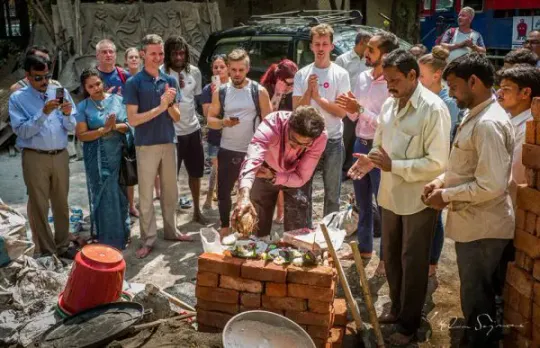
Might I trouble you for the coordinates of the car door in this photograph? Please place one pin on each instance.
(267, 50)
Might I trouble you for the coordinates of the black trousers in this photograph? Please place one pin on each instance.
(478, 262)
(298, 209)
(349, 137)
(229, 163)
(406, 252)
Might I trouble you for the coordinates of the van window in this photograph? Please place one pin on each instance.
(304, 56)
(225, 46)
(265, 51)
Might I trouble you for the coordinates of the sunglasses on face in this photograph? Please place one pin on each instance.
(39, 78)
(289, 84)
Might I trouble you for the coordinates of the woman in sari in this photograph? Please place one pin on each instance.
(102, 127)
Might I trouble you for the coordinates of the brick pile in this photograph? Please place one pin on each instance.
(522, 290)
(227, 285)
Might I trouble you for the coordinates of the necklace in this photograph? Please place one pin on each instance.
(99, 107)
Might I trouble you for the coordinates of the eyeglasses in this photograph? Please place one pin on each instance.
(294, 141)
(289, 84)
(531, 42)
(38, 78)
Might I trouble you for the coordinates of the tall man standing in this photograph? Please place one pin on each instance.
(475, 189)
(41, 123)
(463, 39)
(364, 104)
(318, 85)
(355, 63)
(411, 148)
(189, 147)
(152, 107)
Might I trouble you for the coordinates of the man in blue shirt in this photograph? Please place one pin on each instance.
(41, 121)
(152, 107)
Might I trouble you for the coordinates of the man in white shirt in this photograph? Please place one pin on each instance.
(411, 148)
(319, 84)
(189, 147)
(518, 86)
(475, 189)
(463, 39)
(354, 62)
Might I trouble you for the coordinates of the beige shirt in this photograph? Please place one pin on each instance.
(476, 181)
(417, 139)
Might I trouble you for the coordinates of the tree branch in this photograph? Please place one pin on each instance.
(43, 17)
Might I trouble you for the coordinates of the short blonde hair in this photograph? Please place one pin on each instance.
(129, 50)
(104, 42)
(237, 55)
(151, 39)
(469, 10)
(322, 30)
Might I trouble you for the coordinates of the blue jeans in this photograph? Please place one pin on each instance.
(437, 243)
(333, 163)
(364, 189)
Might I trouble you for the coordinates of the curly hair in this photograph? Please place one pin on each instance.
(176, 43)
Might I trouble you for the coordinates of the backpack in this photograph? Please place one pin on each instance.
(452, 33)
(121, 74)
(254, 95)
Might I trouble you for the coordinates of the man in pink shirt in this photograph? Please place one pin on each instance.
(365, 104)
(282, 155)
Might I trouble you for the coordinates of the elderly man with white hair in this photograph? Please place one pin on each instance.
(463, 39)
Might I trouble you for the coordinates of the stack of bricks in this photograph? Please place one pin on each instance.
(522, 290)
(227, 285)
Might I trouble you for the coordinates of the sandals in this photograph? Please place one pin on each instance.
(143, 252)
(185, 203)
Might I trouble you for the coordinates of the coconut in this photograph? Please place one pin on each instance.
(246, 224)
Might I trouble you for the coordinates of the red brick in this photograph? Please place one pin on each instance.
(277, 311)
(535, 108)
(319, 306)
(520, 280)
(284, 303)
(525, 307)
(520, 218)
(527, 243)
(263, 271)
(538, 179)
(231, 308)
(275, 289)
(535, 336)
(538, 226)
(537, 133)
(528, 199)
(536, 293)
(530, 223)
(221, 264)
(536, 270)
(528, 263)
(216, 294)
(250, 300)
(530, 177)
(340, 311)
(208, 279)
(317, 276)
(240, 284)
(531, 156)
(319, 342)
(208, 329)
(213, 319)
(517, 322)
(318, 331)
(336, 334)
(530, 132)
(536, 315)
(513, 297)
(309, 318)
(310, 292)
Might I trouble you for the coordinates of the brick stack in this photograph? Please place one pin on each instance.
(227, 285)
(522, 291)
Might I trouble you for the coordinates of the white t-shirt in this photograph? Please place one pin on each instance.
(333, 81)
(459, 37)
(189, 122)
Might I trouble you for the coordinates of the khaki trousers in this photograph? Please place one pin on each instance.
(155, 160)
(47, 179)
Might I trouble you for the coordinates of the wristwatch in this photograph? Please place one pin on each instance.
(360, 109)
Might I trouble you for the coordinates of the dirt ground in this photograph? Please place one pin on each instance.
(173, 263)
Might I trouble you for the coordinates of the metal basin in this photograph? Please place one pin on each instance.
(262, 329)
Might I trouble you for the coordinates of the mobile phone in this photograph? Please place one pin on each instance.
(216, 81)
(234, 118)
(60, 95)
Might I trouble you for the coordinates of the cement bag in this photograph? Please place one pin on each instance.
(343, 220)
(211, 241)
(13, 241)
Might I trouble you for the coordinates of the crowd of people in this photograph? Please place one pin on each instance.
(417, 132)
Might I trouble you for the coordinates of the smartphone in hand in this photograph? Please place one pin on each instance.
(60, 95)
(235, 118)
(216, 81)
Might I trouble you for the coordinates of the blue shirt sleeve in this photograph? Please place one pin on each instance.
(121, 113)
(24, 126)
(206, 95)
(480, 41)
(130, 94)
(447, 36)
(81, 111)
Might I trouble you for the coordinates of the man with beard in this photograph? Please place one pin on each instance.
(237, 107)
(152, 106)
(319, 84)
(410, 146)
(475, 189)
(189, 147)
(364, 104)
(42, 122)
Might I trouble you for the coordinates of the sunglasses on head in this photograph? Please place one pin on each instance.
(38, 78)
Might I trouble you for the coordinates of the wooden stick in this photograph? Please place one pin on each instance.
(343, 279)
(152, 289)
(367, 294)
(161, 321)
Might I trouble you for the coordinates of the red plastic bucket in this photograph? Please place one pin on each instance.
(96, 278)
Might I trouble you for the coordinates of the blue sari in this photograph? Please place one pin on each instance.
(109, 207)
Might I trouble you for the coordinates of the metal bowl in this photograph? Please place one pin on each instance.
(264, 329)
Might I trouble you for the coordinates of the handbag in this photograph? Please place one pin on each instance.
(128, 165)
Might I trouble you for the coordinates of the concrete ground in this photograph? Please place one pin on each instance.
(173, 262)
